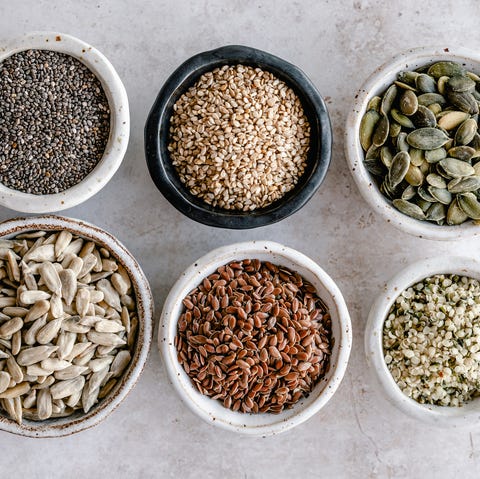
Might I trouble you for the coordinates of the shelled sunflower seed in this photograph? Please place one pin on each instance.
(422, 144)
(68, 324)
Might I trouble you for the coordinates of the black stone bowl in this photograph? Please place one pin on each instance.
(164, 174)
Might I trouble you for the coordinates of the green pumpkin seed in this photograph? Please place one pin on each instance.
(461, 83)
(388, 99)
(445, 68)
(464, 185)
(469, 204)
(409, 209)
(374, 103)
(463, 101)
(424, 205)
(409, 192)
(455, 215)
(424, 117)
(456, 168)
(374, 167)
(381, 131)
(465, 132)
(436, 180)
(425, 195)
(427, 138)
(451, 119)
(401, 119)
(402, 144)
(372, 153)
(429, 98)
(386, 156)
(395, 129)
(442, 195)
(436, 212)
(425, 83)
(399, 168)
(367, 127)
(404, 86)
(441, 84)
(434, 156)
(417, 157)
(408, 77)
(435, 108)
(464, 153)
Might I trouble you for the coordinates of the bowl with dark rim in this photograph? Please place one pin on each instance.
(157, 137)
(79, 421)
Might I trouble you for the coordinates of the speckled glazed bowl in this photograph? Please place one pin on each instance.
(376, 84)
(164, 174)
(79, 421)
(119, 123)
(444, 416)
(212, 411)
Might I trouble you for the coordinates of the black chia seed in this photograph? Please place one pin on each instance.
(54, 121)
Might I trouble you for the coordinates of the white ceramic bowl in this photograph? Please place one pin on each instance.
(79, 421)
(376, 84)
(467, 415)
(119, 123)
(212, 410)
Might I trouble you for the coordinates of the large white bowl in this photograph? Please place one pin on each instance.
(119, 123)
(212, 410)
(467, 415)
(79, 421)
(376, 84)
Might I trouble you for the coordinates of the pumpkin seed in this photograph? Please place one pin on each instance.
(456, 168)
(404, 86)
(463, 185)
(380, 134)
(388, 100)
(408, 103)
(386, 156)
(374, 103)
(425, 83)
(417, 157)
(464, 153)
(367, 127)
(442, 195)
(469, 204)
(427, 138)
(434, 156)
(451, 119)
(466, 132)
(436, 180)
(395, 129)
(441, 84)
(461, 83)
(399, 168)
(374, 167)
(436, 212)
(455, 215)
(402, 144)
(445, 68)
(429, 98)
(409, 209)
(463, 101)
(401, 119)
(424, 117)
(409, 192)
(414, 176)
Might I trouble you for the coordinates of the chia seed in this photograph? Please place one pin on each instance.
(54, 121)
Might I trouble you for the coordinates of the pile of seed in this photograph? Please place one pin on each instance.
(239, 138)
(68, 324)
(431, 340)
(422, 143)
(54, 121)
(255, 336)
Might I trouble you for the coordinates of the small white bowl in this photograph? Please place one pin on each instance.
(119, 124)
(467, 415)
(79, 421)
(212, 411)
(376, 84)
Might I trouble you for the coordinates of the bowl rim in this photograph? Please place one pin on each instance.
(178, 195)
(190, 278)
(119, 123)
(442, 416)
(354, 154)
(64, 426)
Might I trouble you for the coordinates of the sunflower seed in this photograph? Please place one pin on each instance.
(67, 387)
(10, 327)
(44, 404)
(50, 277)
(105, 339)
(48, 332)
(14, 370)
(71, 372)
(31, 297)
(35, 354)
(15, 391)
(120, 362)
(4, 381)
(69, 285)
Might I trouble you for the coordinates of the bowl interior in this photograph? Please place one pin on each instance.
(158, 137)
(79, 421)
(213, 410)
(380, 80)
(442, 415)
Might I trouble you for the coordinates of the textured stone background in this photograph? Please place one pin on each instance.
(338, 44)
